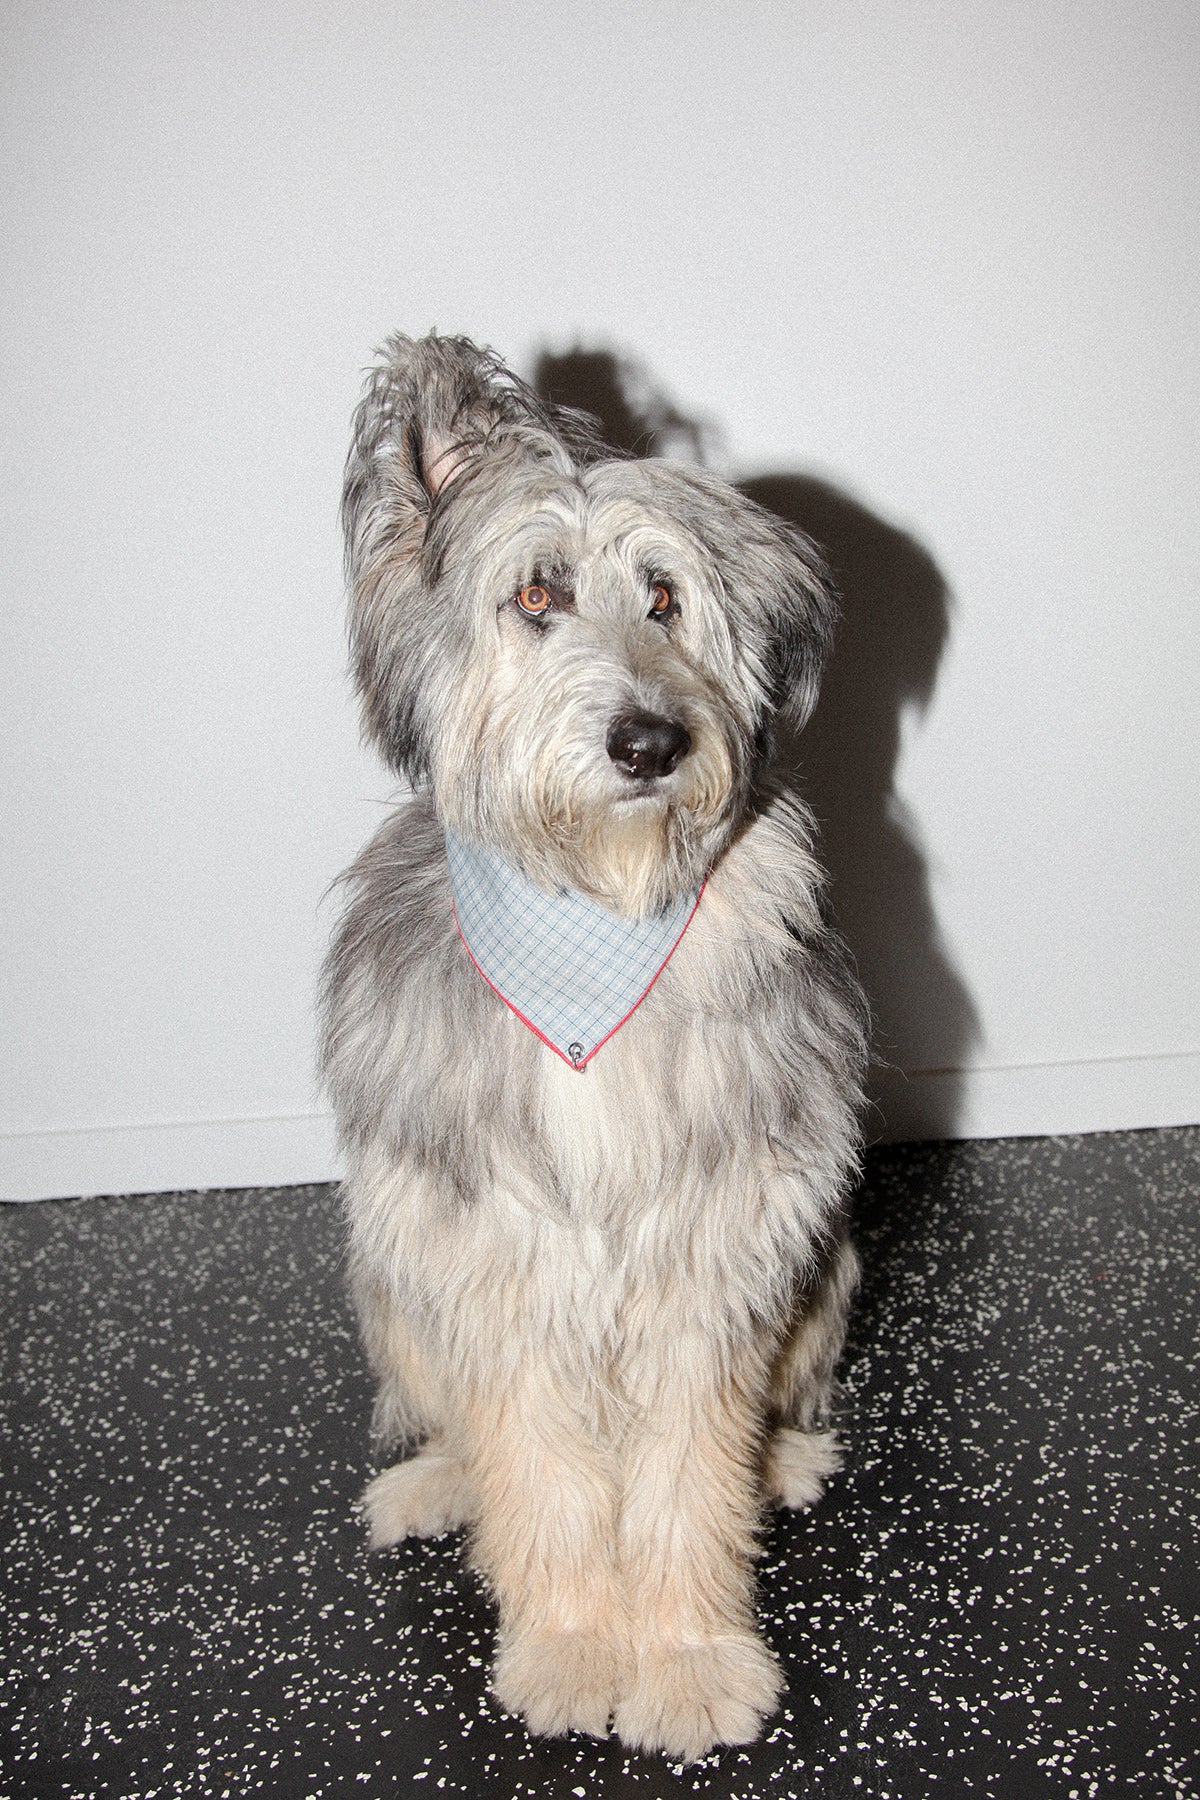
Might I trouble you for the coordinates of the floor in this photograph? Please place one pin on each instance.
(998, 1596)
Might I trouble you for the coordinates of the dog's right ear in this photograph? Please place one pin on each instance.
(434, 409)
(427, 408)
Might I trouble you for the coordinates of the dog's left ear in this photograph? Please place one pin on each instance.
(806, 628)
(788, 575)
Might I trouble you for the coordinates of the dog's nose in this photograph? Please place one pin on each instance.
(647, 746)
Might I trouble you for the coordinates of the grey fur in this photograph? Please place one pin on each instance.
(555, 1269)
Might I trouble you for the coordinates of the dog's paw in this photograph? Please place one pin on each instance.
(686, 1700)
(426, 1495)
(560, 1681)
(798, 1464)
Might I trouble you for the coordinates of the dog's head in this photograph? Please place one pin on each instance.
(585, 655)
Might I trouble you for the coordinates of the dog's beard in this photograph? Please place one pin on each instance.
(638, 856)
(569, 820)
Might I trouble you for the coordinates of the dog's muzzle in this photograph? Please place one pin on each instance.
(647, 746)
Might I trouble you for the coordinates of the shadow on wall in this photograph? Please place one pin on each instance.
(894, 626)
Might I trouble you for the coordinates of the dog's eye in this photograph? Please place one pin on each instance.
(535, 599)
(662, 601)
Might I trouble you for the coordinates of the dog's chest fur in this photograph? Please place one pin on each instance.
(482, 1138)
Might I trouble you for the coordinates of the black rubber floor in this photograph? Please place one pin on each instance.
(998, 1596)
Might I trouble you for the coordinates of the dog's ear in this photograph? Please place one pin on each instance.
(433, 410)
(427, 409)
(781, 582)
(804, 616)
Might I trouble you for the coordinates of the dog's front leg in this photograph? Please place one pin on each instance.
(687, 1534)
(545, 1538)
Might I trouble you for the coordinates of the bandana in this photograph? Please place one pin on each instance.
(570, 970)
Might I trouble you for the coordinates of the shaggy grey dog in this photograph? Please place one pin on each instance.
(603, 1290)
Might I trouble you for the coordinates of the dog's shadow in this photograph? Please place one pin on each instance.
(895, 622)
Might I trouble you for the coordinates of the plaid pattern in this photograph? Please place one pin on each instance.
(570, 970)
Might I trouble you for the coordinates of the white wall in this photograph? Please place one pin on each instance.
(942, 257)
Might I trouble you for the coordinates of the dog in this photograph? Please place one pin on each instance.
(595, 1052)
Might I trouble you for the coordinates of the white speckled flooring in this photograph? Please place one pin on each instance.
(999, 1596)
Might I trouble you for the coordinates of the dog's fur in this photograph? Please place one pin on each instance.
(606, 1305)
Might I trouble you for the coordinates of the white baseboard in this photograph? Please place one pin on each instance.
(1036, 1100)
(159, 1159)
(1129, 1093)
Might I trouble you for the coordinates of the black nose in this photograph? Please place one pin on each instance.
(647, 746)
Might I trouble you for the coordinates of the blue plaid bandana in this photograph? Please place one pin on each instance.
(570, 970)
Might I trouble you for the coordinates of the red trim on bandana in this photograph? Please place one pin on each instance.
(580, 1066)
